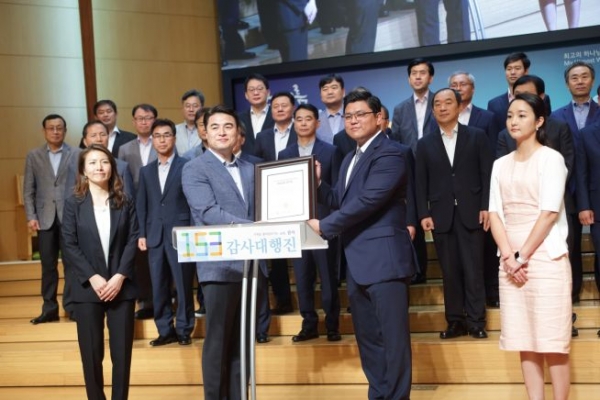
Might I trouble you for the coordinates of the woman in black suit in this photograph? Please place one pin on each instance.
(100, 237)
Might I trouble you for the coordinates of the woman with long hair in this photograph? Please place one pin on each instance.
(100, 238)
(529, 225)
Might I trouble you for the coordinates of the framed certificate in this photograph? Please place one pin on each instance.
(285, 190)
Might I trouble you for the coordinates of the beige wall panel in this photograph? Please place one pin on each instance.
(8, 239)
(8, 170)
(40, 31)
(25, 128)
(41, 82)
(155, 37)
(158, 83)
(196, 8)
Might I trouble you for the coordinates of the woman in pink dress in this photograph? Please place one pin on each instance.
(530, 228)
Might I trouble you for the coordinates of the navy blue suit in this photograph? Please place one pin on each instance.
(362, 25)
(499, 106)
(245, 118)
(264, 146)
(484, 119)
(323, 260)
(344, 143)
(370, 221)
(158, 214)
(428, 22)
(293, 43)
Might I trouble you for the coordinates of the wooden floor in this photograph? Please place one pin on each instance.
(308, 392)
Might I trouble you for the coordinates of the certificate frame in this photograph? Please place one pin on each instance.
(276, 190)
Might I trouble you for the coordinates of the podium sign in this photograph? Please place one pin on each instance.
(238, 242)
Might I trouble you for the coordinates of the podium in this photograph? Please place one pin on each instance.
(250, 243)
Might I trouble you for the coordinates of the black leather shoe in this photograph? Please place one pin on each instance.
(455, 329)
(184, 340)
(333, 336)
(262, 338)
(201, 312)
(418, 279)
(493, 303)
(242, 24)
(282, 308)
(305, 335)
(72, 316)
(42, 319)
(327, 30)
(162, 340)
(478, 333)
(574, 331)
(144, 313)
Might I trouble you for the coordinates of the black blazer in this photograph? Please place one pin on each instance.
(344, 143)
(484, 119)
(245, 118)
(122, 138)
(82, 249)
(466, 183)
(499, 106)
(265, 143)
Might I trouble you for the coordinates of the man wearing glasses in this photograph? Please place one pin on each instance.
(43, 192)
(258, 117)
(187, 133)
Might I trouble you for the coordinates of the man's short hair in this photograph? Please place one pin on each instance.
(221, 109)
(90, 124)
(308, 107)
(145, 107)
(418, 61)
(284, 94)
(53, 116)
(104, 102)
(385, 112)
(372, 101)
(257, 77)
(470, 77)
(538, 82)
(164, 122)
(200, 114)
(580, 64)
(519, 56)
(331, 78)
(193, 93)
(455, 92)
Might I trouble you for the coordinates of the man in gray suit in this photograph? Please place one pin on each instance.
(220, 190)
(412, 118)
(137, 154)
(43, 193)
(332, 96)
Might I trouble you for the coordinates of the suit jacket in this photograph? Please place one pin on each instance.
(499, 107)
(588, 170)
(324, 131)
(404, 126)
(83, 252)
(485, 120)
(122, 170)
(43, 192)
(214, 199)
(560, 139)
(463, 187)
(158, 213)
(122, 138)
(344, 142)
(370, 214)
(130, 153)
(329, 157)
(250, 158)
(245, 118)
(567, 115)
(181, 139)
(264, 147)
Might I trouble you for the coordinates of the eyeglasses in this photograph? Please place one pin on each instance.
(191, 106)
(144, 119)
(256, 89)
(360, 115)
(159, 136)
(58, 129)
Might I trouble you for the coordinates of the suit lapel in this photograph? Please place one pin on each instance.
(64, 160)
(86, 213)
(461, 143)
(175, 166)
(592, 114)
(246, 174)
(224, 176)
(115, 216)
(364, 159)
(439, 148)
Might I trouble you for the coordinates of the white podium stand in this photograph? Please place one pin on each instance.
(247, 242)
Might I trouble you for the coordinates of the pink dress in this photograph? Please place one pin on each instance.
(535, 316)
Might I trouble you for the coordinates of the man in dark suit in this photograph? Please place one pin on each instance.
(161, 206)
(582, 111)
(362, 25)
(332, 92)
(43, 193)
(515, 66)
(137, 154)
(106, 112)
(306, 121)
(294, 18)
(411, 120)
(588, 180)
(258, 117)
(370, 221)
(344, 142)
(220, 190)
(453, 180)
(471, 115)
(267, 146)
(428, 21)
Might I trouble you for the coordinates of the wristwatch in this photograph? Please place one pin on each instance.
(519, 259)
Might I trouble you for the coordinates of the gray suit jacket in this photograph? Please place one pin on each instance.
(404, 124)
(130, 153)
(44, 193)
(214, 199)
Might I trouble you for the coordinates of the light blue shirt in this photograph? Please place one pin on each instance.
(55, 157)
(581, 112)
